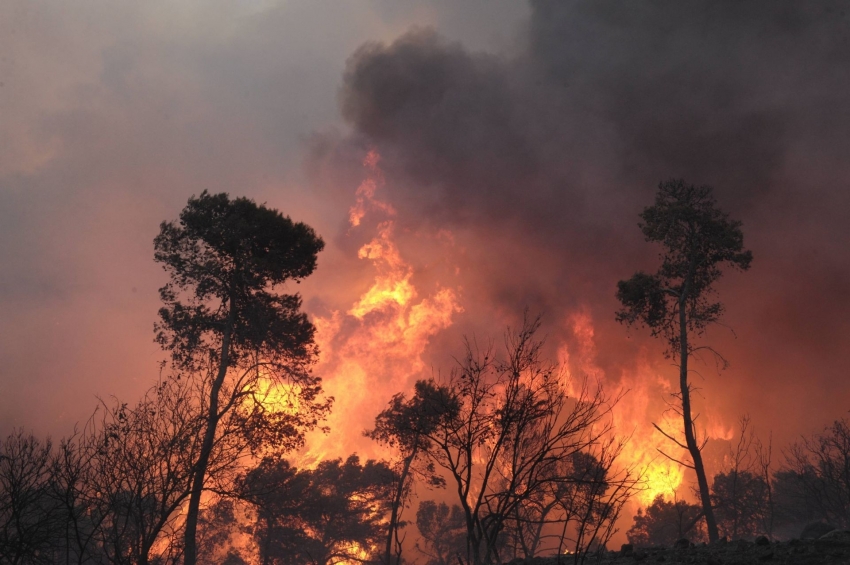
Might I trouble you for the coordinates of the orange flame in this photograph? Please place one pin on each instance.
(375, 348)
(642, 392)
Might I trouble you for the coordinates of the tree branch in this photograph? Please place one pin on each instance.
(668, 436)
(682, 463)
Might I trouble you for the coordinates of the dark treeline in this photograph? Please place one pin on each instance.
(114, 493)
(811, 485)
(521, 459)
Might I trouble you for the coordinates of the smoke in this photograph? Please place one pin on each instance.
(516, 166)
(539, 160)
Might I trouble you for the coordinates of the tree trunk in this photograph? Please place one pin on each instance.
(190, 550)
(396, 504)
(690, 436)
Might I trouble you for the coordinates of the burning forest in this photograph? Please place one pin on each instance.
(566, 283)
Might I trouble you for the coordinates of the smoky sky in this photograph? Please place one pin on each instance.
(533, 133)
(544, 157)
(111, 116)
(722, 93)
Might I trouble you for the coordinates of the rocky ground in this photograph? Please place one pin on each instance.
(832, 548)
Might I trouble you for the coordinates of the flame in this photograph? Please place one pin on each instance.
(365, 193)
(392, 287)
(277, 397)
(359, 555)
(374, 348)
(643, 394)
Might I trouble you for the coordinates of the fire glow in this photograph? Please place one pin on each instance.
(375, 348)
(633, 413)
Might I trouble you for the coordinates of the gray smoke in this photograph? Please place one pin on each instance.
(548, 153)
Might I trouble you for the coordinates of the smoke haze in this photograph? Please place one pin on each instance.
(518, 144)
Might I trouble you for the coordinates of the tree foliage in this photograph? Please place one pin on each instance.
(406, 425)
(698, 240)
(741, 504)
(443, 532)
(664, 522)
(27, 510)
(223, 256)
(225, 323)
(335, 512)
(814, 482)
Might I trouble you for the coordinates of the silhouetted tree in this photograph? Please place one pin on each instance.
(530, 518)
(676, 302)
(591, 495)
(224, 323)
(27, 511)
(514, 423)
(571, 502)
(763, 468)
(740, 501)
(816, 476)
(578, 508)
(335, 512)
(741, 495)
(77, 499)
(664, 522)
(406, 425)
(220, 525)
(794, 505)
(443, 532)
(142, 461)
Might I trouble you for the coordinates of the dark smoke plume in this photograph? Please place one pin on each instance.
(541, 160)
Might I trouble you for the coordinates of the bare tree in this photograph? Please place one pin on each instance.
(514, 422)
(763, 467)
(27, 511)
(593, 497)
(740, 495)
(818, 469)
(72, 471)
(567, 510)
(141, 464)
(527, 527)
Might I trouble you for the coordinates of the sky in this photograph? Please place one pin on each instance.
(518, 142)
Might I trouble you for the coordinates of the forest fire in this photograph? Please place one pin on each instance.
(534, 451)
(429, 285)
(375, 348)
